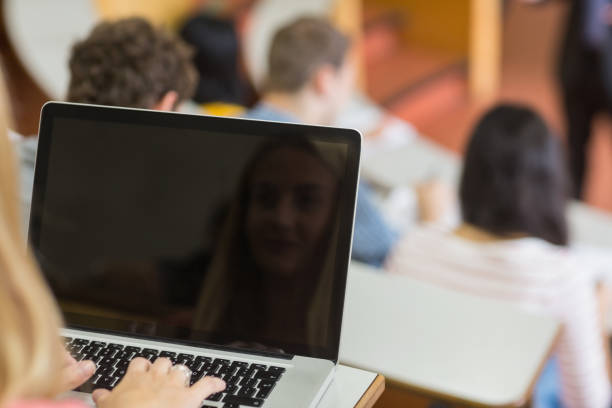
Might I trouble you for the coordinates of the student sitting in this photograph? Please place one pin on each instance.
(121, 63)
(34, 368)
(215, 33)
(512, 244)
(310, 78)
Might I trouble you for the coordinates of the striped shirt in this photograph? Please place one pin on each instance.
(536, 276)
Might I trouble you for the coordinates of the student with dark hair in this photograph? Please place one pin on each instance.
(223, 86)
(513, 244)
(514, 179)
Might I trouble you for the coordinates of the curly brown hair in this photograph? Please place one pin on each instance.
(130, 63)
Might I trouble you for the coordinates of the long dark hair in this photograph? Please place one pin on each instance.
(514, 179)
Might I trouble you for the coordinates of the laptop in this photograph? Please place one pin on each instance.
(222, 244)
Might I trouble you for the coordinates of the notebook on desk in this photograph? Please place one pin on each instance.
(222, 244)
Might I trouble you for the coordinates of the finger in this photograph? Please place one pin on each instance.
(100, 395)
(180, 374)
(161, 366)
(78, 373)
(68, 359)
(138, 365)
(205, 387)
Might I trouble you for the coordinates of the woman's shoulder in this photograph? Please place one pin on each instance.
(516, 259)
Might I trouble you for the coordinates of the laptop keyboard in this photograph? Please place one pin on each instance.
(247, 384)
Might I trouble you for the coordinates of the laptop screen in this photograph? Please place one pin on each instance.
(196, 229)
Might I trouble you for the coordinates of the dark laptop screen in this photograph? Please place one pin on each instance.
(197, 229)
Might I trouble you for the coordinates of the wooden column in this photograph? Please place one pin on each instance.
(485, 47)
(347, 15)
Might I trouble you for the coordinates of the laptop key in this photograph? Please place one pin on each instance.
(105, 383)
(221, 361)
(122, 365)
(225, 370)
(90, 350)
(184, 356)
(248, 382)
(241, 372)
(107, 361)
(247, 401)
(194, 378)
(259, 367)
(231, 389)
(150, 357)
(263, 394)
(75, 347)
(265, 375)
(194, 365)
(215, 397)
(265, 388)
(247, 391)
(233, 380)
(123, 355)
(169, 354)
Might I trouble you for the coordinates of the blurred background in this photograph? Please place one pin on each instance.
(420, 60)
(426, 72)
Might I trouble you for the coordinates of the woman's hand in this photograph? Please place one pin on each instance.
(75, 373)
(157, 385)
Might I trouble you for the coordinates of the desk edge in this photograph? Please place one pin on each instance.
(373, 393)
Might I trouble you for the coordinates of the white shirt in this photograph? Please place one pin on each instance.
(533, 274)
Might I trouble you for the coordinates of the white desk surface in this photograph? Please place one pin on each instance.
(447, 343)
(347, 388)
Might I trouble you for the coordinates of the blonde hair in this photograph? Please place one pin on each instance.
(30, 349)
(215, 293)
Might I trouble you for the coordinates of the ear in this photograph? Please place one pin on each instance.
(167, 102)
(323, 78)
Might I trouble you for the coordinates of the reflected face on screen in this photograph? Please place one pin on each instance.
(290, 203)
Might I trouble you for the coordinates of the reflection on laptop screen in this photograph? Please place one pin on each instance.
(221, 238)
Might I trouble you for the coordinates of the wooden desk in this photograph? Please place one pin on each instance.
(446, 344)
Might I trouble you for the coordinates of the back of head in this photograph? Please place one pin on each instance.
(514, 179)
(130, 63)
(30, 351)
(299, 49)
(217, 50)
